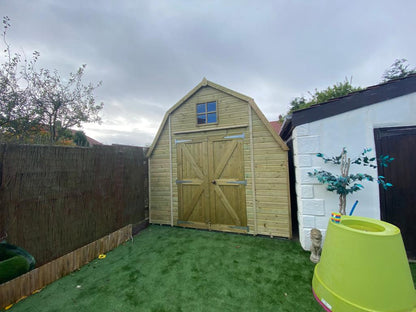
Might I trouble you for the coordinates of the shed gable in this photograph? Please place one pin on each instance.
(230, 106)
(230, 111)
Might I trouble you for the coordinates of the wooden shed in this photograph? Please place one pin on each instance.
(216, 163)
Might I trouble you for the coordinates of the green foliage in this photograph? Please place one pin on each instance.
(33, 101)
(18, 115)
(80, 139)
(63, 104)
(64, 133)
(346, 183)
(339, 184)
(399, 69)
(337, 90)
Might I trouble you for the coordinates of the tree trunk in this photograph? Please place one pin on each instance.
(345, 168)
(342, 203)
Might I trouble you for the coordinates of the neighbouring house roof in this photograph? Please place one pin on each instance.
(90, 140)
(93, 142)
(371, 95)
(205, 83)
(276, 125)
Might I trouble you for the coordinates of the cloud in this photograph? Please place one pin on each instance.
(149, 54)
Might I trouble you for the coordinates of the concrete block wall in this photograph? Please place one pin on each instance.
(311, 210)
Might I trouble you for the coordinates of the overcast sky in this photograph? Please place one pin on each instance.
(149, 54)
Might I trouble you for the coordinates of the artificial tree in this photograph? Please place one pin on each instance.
(346, 183)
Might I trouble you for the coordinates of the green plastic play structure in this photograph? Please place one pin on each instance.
(14, 261)
(363, 267)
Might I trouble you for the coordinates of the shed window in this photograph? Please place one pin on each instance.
(206, 113)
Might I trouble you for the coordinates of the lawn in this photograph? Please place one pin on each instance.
(176, 269)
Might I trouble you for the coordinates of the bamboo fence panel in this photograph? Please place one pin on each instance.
(56, 199)
(28, 283)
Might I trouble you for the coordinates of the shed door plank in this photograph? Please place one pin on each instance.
(227, 205)
(225, 158)
(192, 168)
(227, 200)
(189, 157)
(190, 205)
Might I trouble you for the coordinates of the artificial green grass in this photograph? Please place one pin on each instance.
(176, 269)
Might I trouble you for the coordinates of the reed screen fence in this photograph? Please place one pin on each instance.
(56, 199)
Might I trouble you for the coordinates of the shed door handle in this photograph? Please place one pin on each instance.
(214, 182)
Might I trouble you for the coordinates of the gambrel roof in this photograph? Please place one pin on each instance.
(205, 83)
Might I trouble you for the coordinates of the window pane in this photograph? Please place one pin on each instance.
(201, 119)
(212, 107)
(212, 117)
(200, 108)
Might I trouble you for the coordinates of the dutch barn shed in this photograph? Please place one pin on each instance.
(216, 163)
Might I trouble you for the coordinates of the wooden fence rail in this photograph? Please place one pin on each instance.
(26, 284)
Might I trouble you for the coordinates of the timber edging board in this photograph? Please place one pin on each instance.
(27, 284)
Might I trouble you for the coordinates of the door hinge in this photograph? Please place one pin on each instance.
(184, 222)
(245, 228)
(183, 181)
(244, 182)
(238, 136)
(182, 141)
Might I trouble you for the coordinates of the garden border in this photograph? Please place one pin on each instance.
(31, 282)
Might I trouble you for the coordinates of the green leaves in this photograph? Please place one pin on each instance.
(34, 101)
(319, 96)
(385, 160)
(383, 183)
(399, 69)
(340, 184)
(344, 185)
(335, 160)
(365, 160)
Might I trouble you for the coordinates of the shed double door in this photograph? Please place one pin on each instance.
(398, 202)
(211, 184)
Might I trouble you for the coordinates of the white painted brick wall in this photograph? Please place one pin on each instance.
(303, 161)
(306, 191)
(314, 207)
(308, 221)
(321, 222)
(307, 145)
(306, 235)
(302, 130)
(303, 173)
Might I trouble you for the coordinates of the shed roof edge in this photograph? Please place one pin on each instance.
(238, 95)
